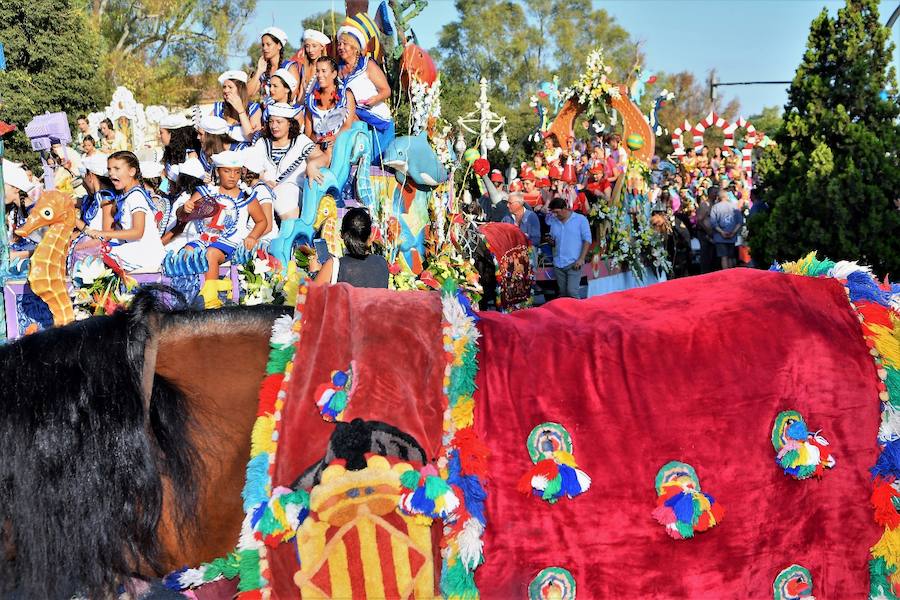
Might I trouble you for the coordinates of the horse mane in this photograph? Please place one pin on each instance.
(83, 459)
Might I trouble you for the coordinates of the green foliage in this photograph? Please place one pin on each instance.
(832, 181)
(328, 22)
(769, 121)
(53, 64)
(157, 47)
(517, 46)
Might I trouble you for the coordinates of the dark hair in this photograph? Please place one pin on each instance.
(558, 203)
(181, 140)
(713, 194)
(80, 117)
(293, 129)
(185, 183)
(153, 184)
(356, 228)
(108, 124)
(280, 52)
(329, 60)
(90, 139)
(131, 159)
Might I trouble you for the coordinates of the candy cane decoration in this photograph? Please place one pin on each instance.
(751, 140)
(677, 142)
(712, 120)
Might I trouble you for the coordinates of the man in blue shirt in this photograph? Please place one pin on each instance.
(571, 236)
(526, 220)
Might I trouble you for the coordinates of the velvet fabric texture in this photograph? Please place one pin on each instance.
(694, 370)
(394, 341)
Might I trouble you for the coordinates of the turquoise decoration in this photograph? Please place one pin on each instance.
(793, 583)
(552, 582)
(333, 397)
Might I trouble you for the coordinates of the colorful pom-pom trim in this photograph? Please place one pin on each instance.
(681, 506)
(793, 583)
(555, 474)
(333, 397)
(553, 582)
(427, 494)
(877, 307)
(801, 453)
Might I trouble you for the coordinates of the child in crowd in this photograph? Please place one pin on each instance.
(134, 239)
(225, 228)
(254, 167)
(189, 179)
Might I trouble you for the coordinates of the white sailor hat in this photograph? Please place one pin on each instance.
(15, 175)
(254, 161)
(151, 169)
(276, 33)
(316, 36)
(283, 110)
(95, 164)
(287, 77)
(192, 166)
(214, 124)
(236, 75)
(229, 158)
(174, 121)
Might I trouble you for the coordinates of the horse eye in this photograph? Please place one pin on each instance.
(47, 213)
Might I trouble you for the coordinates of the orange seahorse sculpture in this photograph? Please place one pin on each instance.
(47, 273)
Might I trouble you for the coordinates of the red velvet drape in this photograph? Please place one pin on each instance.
(692, 370)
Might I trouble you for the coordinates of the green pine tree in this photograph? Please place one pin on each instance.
(53, 64)
(832, 181)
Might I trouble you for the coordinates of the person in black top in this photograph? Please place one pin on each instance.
(358, 267)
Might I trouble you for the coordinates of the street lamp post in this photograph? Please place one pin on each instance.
(484, 123)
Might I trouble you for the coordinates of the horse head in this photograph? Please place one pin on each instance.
(52, 208)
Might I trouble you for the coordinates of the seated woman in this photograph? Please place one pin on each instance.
(280, 86)
(134, 239)
(358, 267)
(243, 116)
(288, 156)
(271, 43)
(366, 80)
(223, 231)
(330, 108)
(110, 139)
(98, 205)
(314, 43)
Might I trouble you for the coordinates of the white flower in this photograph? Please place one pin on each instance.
(260, 266)
(89, 270)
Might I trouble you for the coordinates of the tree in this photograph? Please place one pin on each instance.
(155, 45)
(53, 64)
(832, 181)
(769, 121)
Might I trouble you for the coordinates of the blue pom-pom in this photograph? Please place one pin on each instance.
(339, 378)
(776, 268)
(257, 481)
(683, 506)
(421, 503)
(258, 513)
(570, 486)
(888, 463)
(862, 287)
(798, 431)
(172, 581)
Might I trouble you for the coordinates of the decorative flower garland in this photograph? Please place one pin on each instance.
(593, 88)
(454, 490)
(878, 311)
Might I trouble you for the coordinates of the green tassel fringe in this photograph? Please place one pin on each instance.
(893, 385)
(278, 359)
(248, 567)
(879, 584)
(458, 582)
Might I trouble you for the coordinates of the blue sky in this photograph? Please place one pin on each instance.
(744, 40)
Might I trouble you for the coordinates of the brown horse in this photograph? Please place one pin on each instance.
(124, 441)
